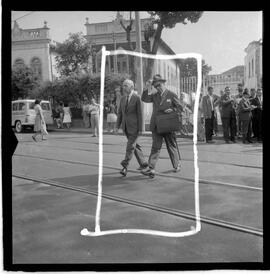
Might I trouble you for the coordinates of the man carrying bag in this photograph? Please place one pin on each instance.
(164, 122)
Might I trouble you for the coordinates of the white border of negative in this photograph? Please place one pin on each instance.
(193, 230)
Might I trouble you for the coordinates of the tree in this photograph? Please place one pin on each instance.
(73, 55)
(188, 67)
(23, 82)
(127, 28)
(72, 89)
(168, 19)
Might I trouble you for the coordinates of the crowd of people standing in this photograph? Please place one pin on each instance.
(241, 115)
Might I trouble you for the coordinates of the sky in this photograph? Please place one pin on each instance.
(221, 37)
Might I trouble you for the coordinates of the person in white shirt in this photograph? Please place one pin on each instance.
(94, 110)
(85, 113)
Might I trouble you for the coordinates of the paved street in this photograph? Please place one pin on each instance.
(47, 219)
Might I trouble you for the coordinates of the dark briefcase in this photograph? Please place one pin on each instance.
(167, 122)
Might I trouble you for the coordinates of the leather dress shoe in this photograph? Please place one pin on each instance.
(177, 169)
(149, 172)
(123, 171)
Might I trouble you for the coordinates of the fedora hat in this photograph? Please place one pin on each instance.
(158, 78)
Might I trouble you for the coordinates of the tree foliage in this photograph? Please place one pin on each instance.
(73, 55)
(72, 89)
(168, 19)
(24, 82)
(188, 67)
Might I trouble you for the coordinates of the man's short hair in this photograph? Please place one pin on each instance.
(129, 83)
(209, 88)
(246, 92)
(37, 101)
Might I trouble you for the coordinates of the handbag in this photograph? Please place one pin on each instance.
(167, 122)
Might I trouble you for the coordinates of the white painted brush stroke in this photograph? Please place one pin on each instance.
(193, 230)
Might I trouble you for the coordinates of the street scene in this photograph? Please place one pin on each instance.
(55, 195)
(125, 163)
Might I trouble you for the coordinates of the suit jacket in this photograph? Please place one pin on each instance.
(130, 118)
(206, 106)
(226, 107)
(256, 102)
(161, 103)
(244, 110)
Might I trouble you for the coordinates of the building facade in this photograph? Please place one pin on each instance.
(231, 78)
(253, 65)
(114, 37)
(32, 47)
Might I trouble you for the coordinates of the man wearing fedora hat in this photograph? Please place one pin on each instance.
(164, 101)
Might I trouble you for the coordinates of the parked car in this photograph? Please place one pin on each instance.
(23, 113)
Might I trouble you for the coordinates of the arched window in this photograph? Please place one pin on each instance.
(36, 66)
(19, 63)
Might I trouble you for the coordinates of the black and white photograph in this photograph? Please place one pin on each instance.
(139, 138)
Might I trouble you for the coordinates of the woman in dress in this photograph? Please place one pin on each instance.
(94, 110)
(40, 126)
(67, 115)
(111, 117)
(85, 113)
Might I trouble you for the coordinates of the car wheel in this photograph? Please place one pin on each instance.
(18, 126)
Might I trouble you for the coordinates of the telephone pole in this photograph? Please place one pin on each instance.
(139, 80)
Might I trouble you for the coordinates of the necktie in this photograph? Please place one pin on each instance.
(126, 107)
(211, 101)
(159, 96)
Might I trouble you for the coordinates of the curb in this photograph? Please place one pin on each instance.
(147, 134)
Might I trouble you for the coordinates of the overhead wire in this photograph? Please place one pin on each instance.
(24, 15)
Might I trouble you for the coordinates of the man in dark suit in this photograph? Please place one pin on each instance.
(257, 115)
(253, 127)
(245, 109)
(228, 116)
(164, 101)
(209, 102)
(238, 98)
(130, 116)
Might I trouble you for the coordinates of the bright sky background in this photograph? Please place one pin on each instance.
(220, 37)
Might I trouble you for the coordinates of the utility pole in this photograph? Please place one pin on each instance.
(139, 80)
(115, 56)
